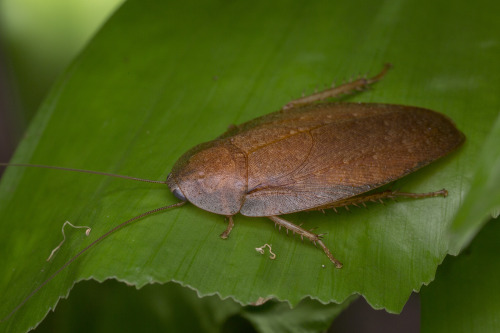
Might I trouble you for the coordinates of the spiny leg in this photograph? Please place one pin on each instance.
(230, 225)
(378, 197)
(346, 88)
(316, 239)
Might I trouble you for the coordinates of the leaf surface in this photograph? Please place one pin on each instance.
(161, 77)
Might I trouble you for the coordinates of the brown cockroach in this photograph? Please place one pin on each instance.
(306, 156)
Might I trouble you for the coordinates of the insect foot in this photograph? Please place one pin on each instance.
(316, 239)
(230, 225)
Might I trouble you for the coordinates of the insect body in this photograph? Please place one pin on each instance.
(310, 157)
(307, 156)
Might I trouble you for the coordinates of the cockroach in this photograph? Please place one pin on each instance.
(309, 155)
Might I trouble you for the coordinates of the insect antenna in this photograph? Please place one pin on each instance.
(84, 171)
(88, 247)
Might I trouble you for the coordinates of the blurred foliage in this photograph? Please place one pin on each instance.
(172, 308)
(41, 38)
(464, 296)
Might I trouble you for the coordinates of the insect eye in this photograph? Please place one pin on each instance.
(178, 194)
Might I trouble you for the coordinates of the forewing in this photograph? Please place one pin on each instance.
(341, 150)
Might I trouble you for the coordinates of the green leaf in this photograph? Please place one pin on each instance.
(463, 298)
(161, 77)
(483, 200)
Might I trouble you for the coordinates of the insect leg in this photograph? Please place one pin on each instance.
(378, 197)
(230, 225)
(346, 88)
(316, 239)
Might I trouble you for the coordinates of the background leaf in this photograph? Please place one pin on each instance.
(157, 308)
(463, 297)
(172, 308)
(162, 77)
